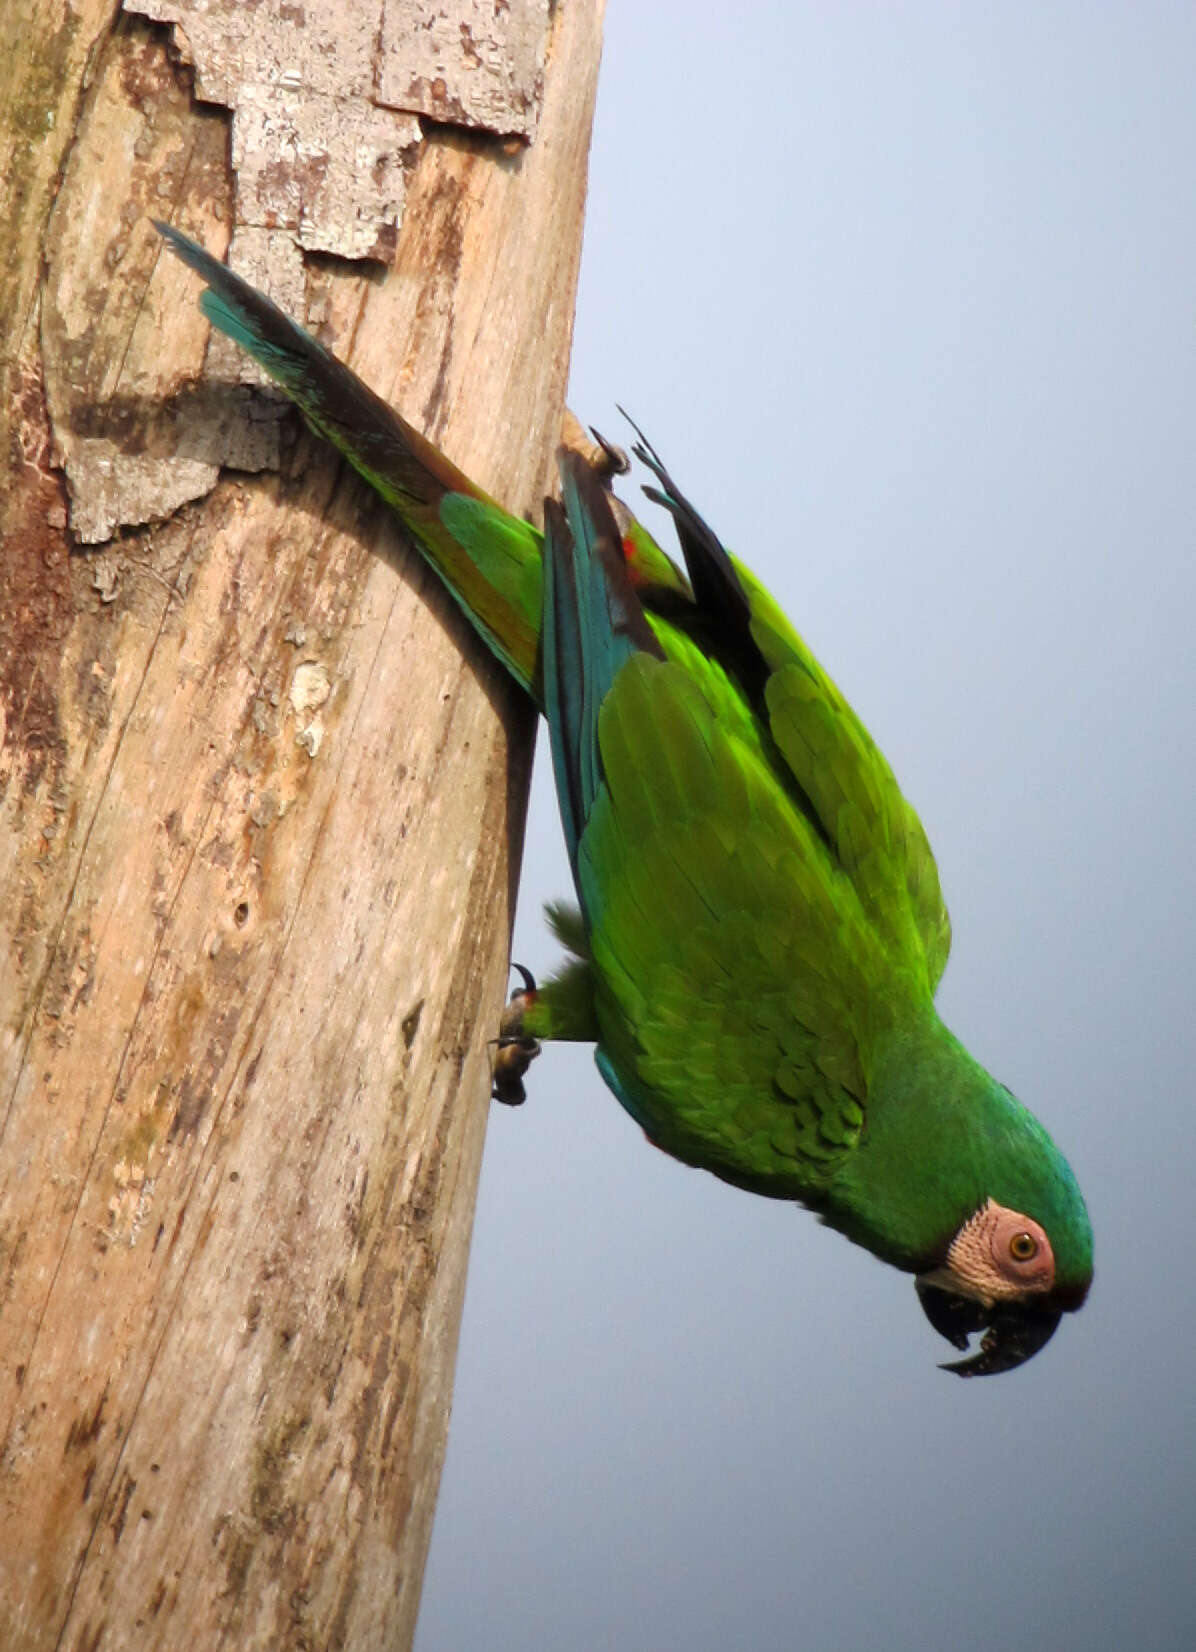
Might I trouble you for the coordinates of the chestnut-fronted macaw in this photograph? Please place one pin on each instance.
(759, 929)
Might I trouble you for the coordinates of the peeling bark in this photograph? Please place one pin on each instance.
(260, 806)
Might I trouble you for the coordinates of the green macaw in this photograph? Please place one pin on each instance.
(760, 929)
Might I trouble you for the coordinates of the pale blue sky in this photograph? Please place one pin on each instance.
(906, 296)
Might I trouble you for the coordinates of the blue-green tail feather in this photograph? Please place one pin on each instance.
(592, 625)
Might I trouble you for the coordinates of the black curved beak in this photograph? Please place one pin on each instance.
(1013, 1331)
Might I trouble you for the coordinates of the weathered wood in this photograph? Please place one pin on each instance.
(260, 807)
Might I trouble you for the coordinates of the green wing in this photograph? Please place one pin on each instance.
(836, 774)
(760, 900)
(735, 967)
(876, 836)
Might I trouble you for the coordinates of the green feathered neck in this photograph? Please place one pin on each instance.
(943, 1136)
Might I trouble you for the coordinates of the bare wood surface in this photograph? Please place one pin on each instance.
(260, 806)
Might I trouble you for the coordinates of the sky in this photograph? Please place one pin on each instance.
(906, 297)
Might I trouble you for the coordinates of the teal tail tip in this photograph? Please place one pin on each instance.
(249, 318)
(229, 301)
(188, 250)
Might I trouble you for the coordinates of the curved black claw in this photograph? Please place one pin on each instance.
(515, 1050)
(1013, 1331)
(615, 460)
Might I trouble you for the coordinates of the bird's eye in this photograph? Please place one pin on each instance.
(1023, 1247)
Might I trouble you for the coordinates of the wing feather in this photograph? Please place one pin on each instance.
(835, 774)
(874, 830)
(733, 950)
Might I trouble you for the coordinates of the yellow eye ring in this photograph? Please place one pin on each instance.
(1023, 1247)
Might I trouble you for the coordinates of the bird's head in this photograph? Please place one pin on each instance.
(1001, 1276)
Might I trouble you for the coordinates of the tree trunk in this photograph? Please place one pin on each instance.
(261, 800)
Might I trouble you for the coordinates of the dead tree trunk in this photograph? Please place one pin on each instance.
(261, 797)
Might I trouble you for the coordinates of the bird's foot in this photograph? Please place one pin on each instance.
(609, 461)
(514, 1049)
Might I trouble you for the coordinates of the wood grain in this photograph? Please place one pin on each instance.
(261, 802)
